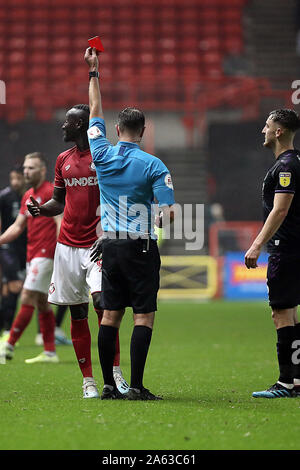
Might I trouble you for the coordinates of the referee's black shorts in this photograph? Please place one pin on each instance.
(283, 280)
(130, 277)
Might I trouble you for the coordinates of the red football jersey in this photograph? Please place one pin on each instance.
(41, 231)
(76, 172)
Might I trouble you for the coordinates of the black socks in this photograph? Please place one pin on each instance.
(139, 346)
(285, 339)
(107, 348)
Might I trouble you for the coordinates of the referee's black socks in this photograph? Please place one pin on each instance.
(139, 346)
(107, 348)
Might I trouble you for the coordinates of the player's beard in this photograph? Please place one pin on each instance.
(69, 136)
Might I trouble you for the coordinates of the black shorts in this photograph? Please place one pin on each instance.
(13, 265)
(130, 278)
(283, 280)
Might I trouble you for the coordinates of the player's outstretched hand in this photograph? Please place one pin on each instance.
(96, 250)
(91, 58)
(34, 207)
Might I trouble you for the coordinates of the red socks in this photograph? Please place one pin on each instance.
(47, 325)
(117, 355)
(81, 338)
(20, 323)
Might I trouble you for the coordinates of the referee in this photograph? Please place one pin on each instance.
(281, 232)
(129, 181)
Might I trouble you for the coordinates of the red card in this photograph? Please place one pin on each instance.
(96, 43)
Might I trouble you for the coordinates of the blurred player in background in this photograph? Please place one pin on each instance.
(281, 232)
(41, 241)
(76, 194)
(60, 336)
(12, 255)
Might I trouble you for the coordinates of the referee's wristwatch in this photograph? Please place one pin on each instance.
(94, 74)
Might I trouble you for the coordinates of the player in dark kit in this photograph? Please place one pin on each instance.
(281, 232)
(12, 255)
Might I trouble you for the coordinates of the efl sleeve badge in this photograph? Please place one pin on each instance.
(285, 179)
(94, 132)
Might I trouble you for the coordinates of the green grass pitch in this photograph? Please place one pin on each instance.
(205, 359)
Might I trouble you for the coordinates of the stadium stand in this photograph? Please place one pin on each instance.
(159, 49)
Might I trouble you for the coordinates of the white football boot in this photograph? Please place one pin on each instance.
(90, 388)
(121, 383)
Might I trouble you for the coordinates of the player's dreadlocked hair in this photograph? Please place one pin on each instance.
(85, 114)
(287, 117)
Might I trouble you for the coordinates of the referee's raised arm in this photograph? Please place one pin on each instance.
(95, 103)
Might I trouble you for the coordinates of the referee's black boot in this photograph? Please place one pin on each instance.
(141, 394)
(110, 393)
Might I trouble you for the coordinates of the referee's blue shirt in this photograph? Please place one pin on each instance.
(129, 181)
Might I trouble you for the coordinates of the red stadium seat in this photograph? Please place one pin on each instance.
(39, 44)
(125, 14)
(15, 109)
(18, 29)
(59, 14)
(167, 44)
(167, 72)
(148, 70)
(146, 44)
(232, 45)
(16, 72)
(36, 58)
(167, 58)
(126, 57)
(38, 72)
(17, 57)
(208, 15)
(19, 14)
(61, 43)
(104, 14)
(190, 15)
(43, 113)
(146, 15)
(60, 29)
(60, 58)
(16, 43)
(210, 44)
(39, 14)
(40, 29)
(15, 114)
(168, 14)
(123, 44)
(147, 58)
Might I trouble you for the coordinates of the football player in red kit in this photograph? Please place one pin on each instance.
(76, 194)
(41, 242)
